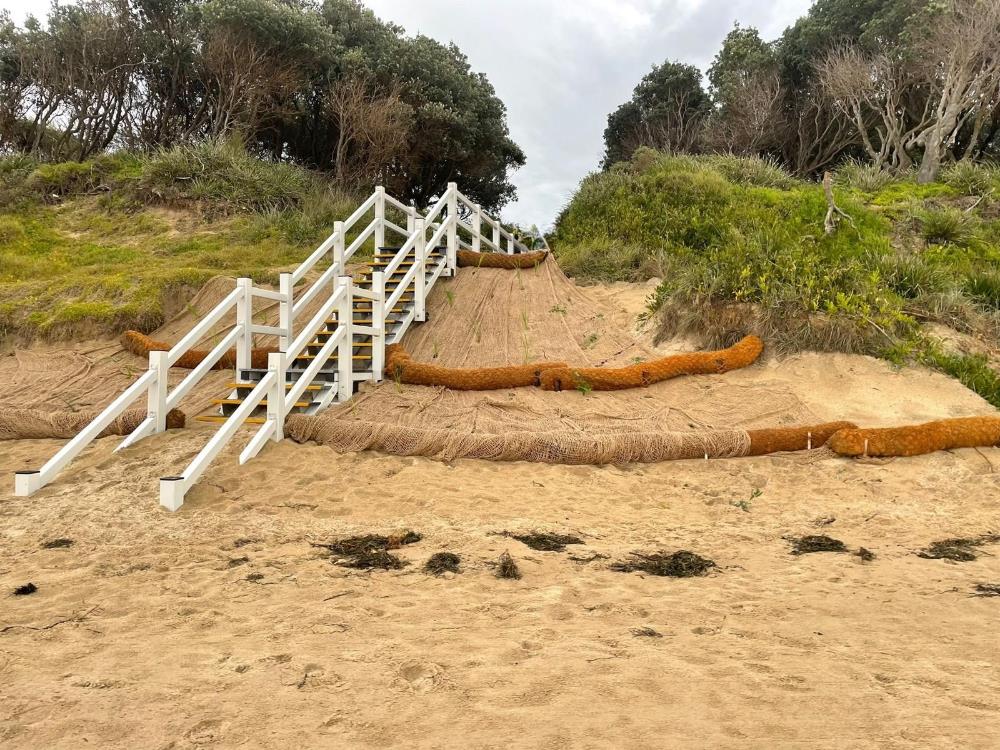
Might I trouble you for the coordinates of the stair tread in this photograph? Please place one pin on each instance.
(288, 386)
(219, 419)
(238, 401)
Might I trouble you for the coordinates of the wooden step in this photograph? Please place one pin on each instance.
(288, 386)
(357, 344)
(357, 357)
(219, 419)
(238, 401)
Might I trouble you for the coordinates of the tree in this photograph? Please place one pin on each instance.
(747, 92)
(666, 111)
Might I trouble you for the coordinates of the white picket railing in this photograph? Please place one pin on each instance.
(446, 221)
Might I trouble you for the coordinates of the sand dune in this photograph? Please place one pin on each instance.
(222, 626)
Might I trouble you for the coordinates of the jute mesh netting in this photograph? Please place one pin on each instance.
(30, 424)
(558, 447)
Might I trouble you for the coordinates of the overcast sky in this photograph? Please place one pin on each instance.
(562, 65)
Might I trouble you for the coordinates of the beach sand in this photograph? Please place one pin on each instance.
(223, 626)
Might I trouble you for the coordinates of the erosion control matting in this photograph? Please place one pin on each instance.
(29, 424)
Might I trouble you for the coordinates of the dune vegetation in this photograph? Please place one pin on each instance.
(123, 241)
(741, 248)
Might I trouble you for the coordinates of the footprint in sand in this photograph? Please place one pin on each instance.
(421, 677)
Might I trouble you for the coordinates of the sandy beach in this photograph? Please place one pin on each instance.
(224, 626)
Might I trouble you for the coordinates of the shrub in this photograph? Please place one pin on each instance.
(970, 178)
(913, 276)
(863, 176)
(762, 171)
(224, 174)
(984, 287)
(947, 226)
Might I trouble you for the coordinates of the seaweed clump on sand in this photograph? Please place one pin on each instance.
(544, 541)
(805, 545)
(442, 562)
(987, 589)
(957, 550)
(370, 551)
(680, 564)
(60, 543)
(507, 568)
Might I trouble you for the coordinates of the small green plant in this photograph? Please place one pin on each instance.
(581, 384)
(434, 346)
(524, 319)
(590, 341)
(745, 505)
(450, 296)
(558, 309)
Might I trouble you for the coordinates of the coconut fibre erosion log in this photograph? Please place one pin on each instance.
(31, 424)
(138, 343)
(470, 259)
(556, 447)
(785, 439)
(915, 440)
(742, 354)
(399, 366)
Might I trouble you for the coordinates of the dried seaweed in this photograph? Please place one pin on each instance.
(680, 564)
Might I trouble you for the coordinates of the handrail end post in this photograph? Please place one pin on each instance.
(172, 491)
(27, 483)
(378, 323)
(244, 319)
(345, 349)
(420, 276)
(276, 406)
(452, 228)
(379, 218)
(287, 290)
(156, 406)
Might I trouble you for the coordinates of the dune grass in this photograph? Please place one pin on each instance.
(741, 248)
(124, 241)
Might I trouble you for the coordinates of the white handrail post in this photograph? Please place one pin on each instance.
(338, 248)
(496, 237)
(285, 288)
(244, 320)
(378, 323)
(276, 398)
(452, 227)
(156, 400)
(420, 276)
(411, 217)
(510, 244)
(477, 229)
(379, 218)
(345, 349)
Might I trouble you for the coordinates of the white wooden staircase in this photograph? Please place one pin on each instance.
(319, 362)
